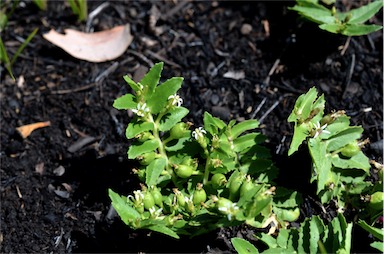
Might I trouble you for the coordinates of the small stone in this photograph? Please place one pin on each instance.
(215, 99)
(246, 29)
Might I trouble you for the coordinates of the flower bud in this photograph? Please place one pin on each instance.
(146, 158)
(227, 207)
(157, 197)
(179, 197)
(234, 187)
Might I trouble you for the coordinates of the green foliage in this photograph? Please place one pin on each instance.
(349, 23)
(313, 236)
(79, 8)
(339, 167)
(41, 4)
(4, 56)
(220, 175)
(214, 176)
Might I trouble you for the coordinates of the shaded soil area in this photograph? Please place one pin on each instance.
(239, 61)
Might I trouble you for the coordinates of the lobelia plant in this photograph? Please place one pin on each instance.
(349, 23)
(193, 182)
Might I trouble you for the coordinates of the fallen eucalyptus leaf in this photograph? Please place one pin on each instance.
(93, 47)
(26, 130)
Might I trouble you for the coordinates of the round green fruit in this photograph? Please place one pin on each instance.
(148, 200)
(183, 171)
(179, 130)
(199, 196)
(377, 200)
(218, 181)
(351, 149)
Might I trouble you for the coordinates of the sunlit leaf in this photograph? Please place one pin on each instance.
(151, 79)
(131, 83)
(135, 128)
(162, 92)
(125, 211)
(212, 124)
(246, 125)
(153, 171)
(141, 148)
(359, 161)
(301, 132)
(343, 138)
(243, 246)
(172, 117)
(365, 12)
(126, 101)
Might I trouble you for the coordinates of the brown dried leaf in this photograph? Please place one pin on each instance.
(93, 47)
(26, 130)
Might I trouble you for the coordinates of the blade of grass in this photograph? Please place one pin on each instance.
(25, 43)
(5, 59)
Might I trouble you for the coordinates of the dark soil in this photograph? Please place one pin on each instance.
(43, 211)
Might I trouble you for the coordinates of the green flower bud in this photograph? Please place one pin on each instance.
(179, 130)
(148, 200)
(218, 181)
(351, 149)
(179, 197)
(157, 197)
(377, 200)
(183, 171)
(199, 196)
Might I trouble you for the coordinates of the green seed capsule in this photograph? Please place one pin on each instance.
(351, 149)
(246, 186)
(148, 200)
(147, 158)
(234, 188)
(179, 130)
(183, 171)
(199, 196)
(218, 181)
(377, 200)
(157, 197)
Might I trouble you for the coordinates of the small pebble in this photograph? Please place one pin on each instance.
(246, 29)
(215, 99)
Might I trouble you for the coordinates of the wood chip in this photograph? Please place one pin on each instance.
(82, 142)
(26, 130)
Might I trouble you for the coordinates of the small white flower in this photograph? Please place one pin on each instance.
(320, 129)
(229, 210)
(198, 133)
(176, 100)
(155, 213)
(141, 109)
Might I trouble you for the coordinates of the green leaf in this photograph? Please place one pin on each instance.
(316, 229)
(359, 29)
(125, 211)
(322, 164)
(376, 232)
(174, 116)
(162, 92)
(141, 148)
(343, 138)
(359, 161)
(317, 15)
(340, 124)
(212, 124)
(333, 28)
(346, 229)
(22, 46)
(5, 59)
(164, 230)
(153, 171)
(268, 240)
(378, 246)
(245, 141)
(151, 79)
(246, 125)
(365, 12)
(243, 246)
(126, 101)
(135, 128)
(131, 83)
(301, 132)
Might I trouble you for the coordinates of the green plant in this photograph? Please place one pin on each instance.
(341, 172)
(219, 175)
(4, 58)
(41, 4)
(79, 7)
(349, 23)
(215, 176)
